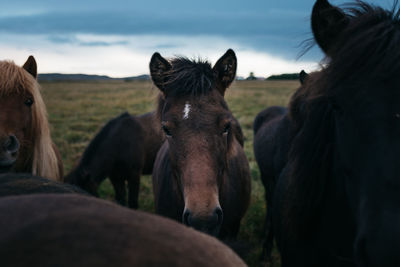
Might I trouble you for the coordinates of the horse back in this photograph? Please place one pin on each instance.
(119, 144)
(267, 115)
(12, 184)
(93, 232)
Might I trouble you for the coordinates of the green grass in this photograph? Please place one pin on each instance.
(77, 111)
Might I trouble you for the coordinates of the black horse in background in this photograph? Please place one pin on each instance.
(271, 145)
(336, 202)
(124, 149)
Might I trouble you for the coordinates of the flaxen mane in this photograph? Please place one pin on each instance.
(43, 159)
(368, 47)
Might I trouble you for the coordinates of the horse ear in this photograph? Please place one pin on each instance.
(159, 66)
(30, 66)
(327, 22)
(303, 76)
(225, 70)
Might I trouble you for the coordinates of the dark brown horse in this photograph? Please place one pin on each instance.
(201, 174)
(12, 184)
(272, 132)
(73, 230)
(124, 149)
(336, 202)
(25, 142)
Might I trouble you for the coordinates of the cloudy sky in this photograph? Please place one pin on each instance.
(117, 38)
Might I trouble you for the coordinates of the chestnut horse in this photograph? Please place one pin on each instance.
(201, 174)
(336, 202)
(73, 230)
(124, 149)
(25, 142)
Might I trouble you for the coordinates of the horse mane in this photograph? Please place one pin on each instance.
(369, 45)
(43, 158)
(189, 77)
(309, 157)
(365, 55)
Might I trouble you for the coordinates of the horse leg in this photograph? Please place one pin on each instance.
(133, 189)
(269, 237)
(118, 183)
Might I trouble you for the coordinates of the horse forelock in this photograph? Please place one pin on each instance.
(15, 80)
(368, 49)
(366, 54)
(189, 77)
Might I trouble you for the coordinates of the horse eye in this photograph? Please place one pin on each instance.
(29, 102)
(166, 131)
(227, 128)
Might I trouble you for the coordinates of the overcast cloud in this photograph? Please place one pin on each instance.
(63, 33)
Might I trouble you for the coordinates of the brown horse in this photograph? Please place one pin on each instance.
(12, 184)
(124, 149)
(72, 230)
(201, 174)
(25, 142)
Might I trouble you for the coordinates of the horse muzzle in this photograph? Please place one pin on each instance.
(9, 148)
(210, 224)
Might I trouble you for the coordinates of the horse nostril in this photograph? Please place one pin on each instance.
(186, 217)
(11, 145)
(219, 215)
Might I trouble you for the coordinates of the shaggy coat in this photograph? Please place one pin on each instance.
(336, 202)
(25, 141)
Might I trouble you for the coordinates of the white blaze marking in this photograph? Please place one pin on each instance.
(186, 111)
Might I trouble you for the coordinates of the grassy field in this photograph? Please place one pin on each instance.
(77, 111)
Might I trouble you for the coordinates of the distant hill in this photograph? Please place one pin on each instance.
(59, 77)
(285, 76)
(53, 77)
(136, 78)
